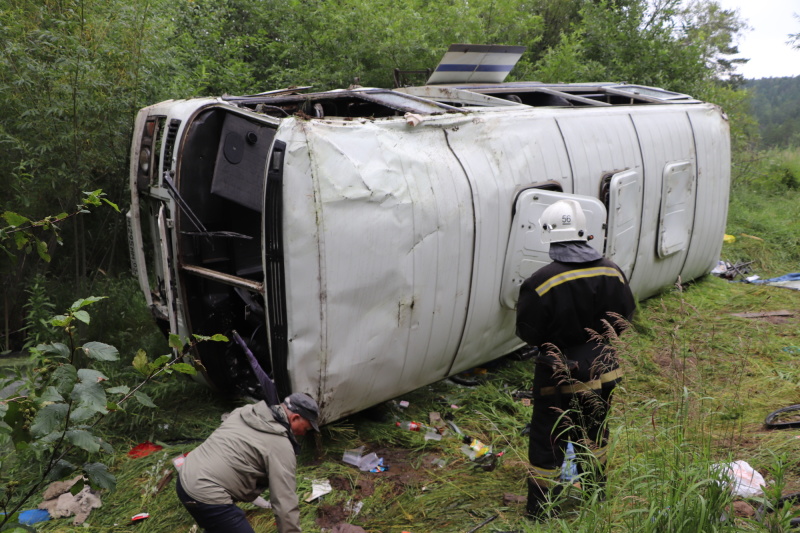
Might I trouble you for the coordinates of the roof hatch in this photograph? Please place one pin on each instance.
(476, 63)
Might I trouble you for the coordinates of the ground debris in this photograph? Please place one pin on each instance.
(60, 503)
(509, 498)
(764, 314)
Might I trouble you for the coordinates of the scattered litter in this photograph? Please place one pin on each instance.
(729, 239)
(319, 488)
(474, 448)
(727, 270)
(178, 461)
(60, 503)
(409, 425)
(379, 466)
(353, 457)
(403, 404)
(32, 516)
(788, 281)
(432, 434)
(487, 462)
(569, 469)
(792, 349)
(436, 421)
(454, 427)
(439, 462)
(744, 480)
(353, 507)
(139, 517)
(751, 279)
(144, 449)
(367, 463)
(261, 502)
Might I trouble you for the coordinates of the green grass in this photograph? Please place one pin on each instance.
(699, 384)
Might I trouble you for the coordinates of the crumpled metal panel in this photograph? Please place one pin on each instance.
(379, 250)
(404, 102)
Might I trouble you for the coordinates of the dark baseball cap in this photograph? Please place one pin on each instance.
(305, 406)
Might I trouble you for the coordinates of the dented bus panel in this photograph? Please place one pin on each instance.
(367, 242)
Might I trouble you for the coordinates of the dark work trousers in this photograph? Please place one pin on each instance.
(571, 399)
(226, 518)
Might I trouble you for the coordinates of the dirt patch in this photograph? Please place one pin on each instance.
(743, 509)
(401, 470)
(330, 515)
(773, 317)
(779, 319)
(401, 475)
(364, 488)
(667, 361)
(361, 487)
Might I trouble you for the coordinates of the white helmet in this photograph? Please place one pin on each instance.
(563, 221)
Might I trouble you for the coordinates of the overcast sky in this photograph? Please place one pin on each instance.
(765, 44)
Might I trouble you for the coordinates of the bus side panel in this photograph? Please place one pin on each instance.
(665, 135)
(712, 141)
(598, 141)
(500, 154)
(394, 224)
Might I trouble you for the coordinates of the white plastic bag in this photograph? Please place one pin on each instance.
(745, 481)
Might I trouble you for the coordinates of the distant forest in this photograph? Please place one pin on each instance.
(776, 105)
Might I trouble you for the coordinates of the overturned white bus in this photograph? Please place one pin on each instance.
(367, 242)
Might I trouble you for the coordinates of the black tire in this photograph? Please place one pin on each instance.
(771, 423)
(792, 496)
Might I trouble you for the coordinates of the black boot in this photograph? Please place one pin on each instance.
(541, 500)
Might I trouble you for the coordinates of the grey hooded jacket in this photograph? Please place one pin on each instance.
(247, 454)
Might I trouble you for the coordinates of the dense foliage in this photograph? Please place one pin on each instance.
(776, 105)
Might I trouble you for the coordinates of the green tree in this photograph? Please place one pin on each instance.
(239, 46)
(72, 75)
(662, 44)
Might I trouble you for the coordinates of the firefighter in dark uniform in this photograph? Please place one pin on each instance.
(569, 310)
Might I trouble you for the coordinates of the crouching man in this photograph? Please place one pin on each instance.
(568, 309)
(253, 450)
